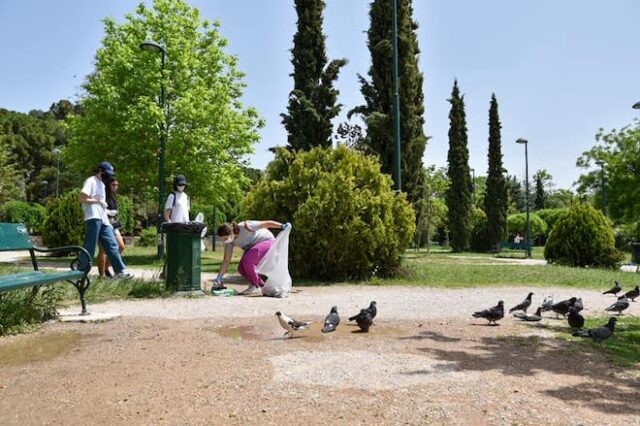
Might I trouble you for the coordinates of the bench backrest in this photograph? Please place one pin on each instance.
(14, 236)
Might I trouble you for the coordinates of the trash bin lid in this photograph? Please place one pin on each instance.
(183, 228)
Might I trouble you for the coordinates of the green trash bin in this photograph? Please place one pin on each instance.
(183, 256)
(635, 253)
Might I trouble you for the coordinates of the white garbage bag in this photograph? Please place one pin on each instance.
(275, 266)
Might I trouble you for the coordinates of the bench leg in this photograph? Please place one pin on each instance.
(82, 286)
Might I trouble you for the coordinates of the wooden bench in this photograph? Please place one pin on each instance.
(525, 246)
(15, 237)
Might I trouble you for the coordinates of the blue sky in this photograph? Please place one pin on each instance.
(560, 69)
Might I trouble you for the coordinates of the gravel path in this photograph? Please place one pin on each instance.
(398, 303)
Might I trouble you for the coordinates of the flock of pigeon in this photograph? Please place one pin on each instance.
(570, 307)
(364, 319)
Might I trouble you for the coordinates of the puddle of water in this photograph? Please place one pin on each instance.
(27, 349)
(241, 332)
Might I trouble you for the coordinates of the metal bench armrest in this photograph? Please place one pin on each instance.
(77, 249)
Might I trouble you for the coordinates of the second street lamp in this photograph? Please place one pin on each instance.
(152, 46)
(526, 192)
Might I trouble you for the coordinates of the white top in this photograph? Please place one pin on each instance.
(251, 234)
(94, 188)
(179, 209)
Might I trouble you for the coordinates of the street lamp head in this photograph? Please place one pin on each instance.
(600, 163)
(636, 105)
(151, 46)
(522, 141)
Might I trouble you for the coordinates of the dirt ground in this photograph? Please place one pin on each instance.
(239, 369)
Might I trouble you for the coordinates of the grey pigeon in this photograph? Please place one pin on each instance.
(372, 309)
(578, 306)
(619, 306)
(364, 320)
(575, 319)
(615, 289)
(599, 334)
(492, 314)
(332, 321)
(632, 294)
(530, 317)
(562, 308)
(524, 305)
(291, 325)
(547, 304)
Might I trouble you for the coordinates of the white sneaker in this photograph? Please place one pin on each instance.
(249, 291)
(124, 275)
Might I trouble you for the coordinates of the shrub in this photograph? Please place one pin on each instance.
(148, 237)
(126, 214)
(64, 224)
(550, 216)
(32, 215)
(348, 223)
(20, 310)
(517, 224)
(479, 240)
(582, 237)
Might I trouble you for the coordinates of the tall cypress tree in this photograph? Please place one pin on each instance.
(378, 109)
(540, 199)
(495, 200)
(312, 102)
(459, 192)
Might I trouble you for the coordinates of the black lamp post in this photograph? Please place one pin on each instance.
(603, 186)
(152, 46)
(526, 193)
(57, 152)
(396, 98)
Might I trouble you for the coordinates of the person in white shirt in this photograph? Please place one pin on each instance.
(96, 221)
(254, 237)
(176, 209)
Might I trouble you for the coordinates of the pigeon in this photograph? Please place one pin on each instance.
(575, 319)
(492, 314)
(632, 294)
(615, 289)
(291, 325)
(524, 305)
(599, 334)
(529, 317)
(363, 319)
(331, 321)
(372, 309)
(562, 308)
(619, 306)
(578, 306)
(547, 303)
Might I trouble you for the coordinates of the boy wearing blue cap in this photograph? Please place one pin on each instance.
(96, 221)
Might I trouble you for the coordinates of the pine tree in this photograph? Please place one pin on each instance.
(459, 192)
(539, 202)
(495, 200)
(377, 91)
(312, 102)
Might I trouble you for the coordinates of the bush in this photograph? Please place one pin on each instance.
(148, 237)
(32, 215)
(582, 237)
(626, 234)
(479, 241)
(550, 216)
(348, 223)
(126, 214)
(20, 310)
(64, 224)
(517, 224)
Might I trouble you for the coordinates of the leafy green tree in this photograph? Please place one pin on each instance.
(459, 192)
(582, 237)
(620, 151)
(496, 198)
(348, 223)
(517, 224)
(431, 208)
(377, 111)
(560, 199)
(515, 194)
(541, 197)
(209, 130)
(11, 186)
(313, 100)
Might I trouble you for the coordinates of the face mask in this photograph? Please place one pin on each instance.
(104, 176)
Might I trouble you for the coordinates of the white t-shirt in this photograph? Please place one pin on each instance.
(251, 234)
(179, 209)
(94, 188)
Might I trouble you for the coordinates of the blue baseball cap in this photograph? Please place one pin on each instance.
(107, 168)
